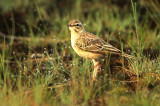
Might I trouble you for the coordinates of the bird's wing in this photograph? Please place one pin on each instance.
(88, 44)
(92, 43)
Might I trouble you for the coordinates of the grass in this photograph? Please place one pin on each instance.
(39, 67)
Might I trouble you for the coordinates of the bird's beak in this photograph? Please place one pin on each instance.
(69, 25)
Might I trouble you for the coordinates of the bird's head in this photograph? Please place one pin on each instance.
(75, 26)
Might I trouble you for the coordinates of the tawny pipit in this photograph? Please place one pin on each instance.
(90, 46)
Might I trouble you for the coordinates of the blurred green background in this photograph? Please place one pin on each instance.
(39, 67)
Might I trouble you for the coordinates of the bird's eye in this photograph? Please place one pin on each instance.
(77, 24)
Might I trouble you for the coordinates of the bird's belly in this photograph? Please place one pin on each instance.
(87, 55)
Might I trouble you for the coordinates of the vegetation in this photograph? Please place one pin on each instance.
(39, 67)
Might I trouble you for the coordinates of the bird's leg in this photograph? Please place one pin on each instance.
(96, 68)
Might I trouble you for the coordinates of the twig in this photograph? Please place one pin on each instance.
(38, 39)
(30, 60)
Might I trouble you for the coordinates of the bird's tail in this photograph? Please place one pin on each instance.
(114, 50)
(129, 56)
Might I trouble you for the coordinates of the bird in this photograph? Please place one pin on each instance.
(90, 46)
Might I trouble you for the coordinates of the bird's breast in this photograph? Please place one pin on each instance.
(83, 53)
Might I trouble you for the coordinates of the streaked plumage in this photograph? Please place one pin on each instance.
(88, 45)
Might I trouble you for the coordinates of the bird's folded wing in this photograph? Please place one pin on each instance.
(95, 45)
(89, 42)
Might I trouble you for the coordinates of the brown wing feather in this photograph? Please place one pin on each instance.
(91, 43)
